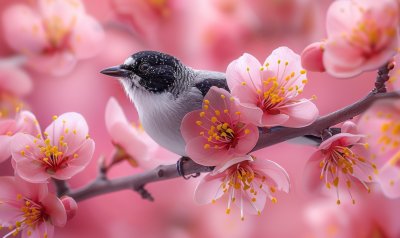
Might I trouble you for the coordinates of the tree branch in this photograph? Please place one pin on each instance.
(137, 182)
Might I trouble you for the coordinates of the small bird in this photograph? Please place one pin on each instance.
(164, 90)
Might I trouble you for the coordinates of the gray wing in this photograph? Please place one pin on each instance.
(204, 80)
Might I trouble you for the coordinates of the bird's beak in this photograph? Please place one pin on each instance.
(116, 71)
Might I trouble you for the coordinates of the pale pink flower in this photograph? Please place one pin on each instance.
(129, 140)
(362, 36)
(52, 34)
(14, 84)
(29, 209)
(248, 183)
(341, 162)
(269, 91)
(25, 122)
(63, 151)
(382, 125)
(218, 132)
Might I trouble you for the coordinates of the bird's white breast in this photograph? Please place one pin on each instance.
(161, 115)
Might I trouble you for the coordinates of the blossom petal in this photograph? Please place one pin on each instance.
(15, 81)
(23, 29)
(72, 127)
(26, 165)
(389, 181)
(301, 113)
(55, 209)
(275, 172)
(245, 69)
(209, 188)
(5, 152)
(312, 172)
(57, 64)
(114, 114)
(87, 37)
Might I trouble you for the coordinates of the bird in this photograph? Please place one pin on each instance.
(164, 90)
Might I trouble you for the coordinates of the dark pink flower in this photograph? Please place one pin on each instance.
(270, 90)
(311, 57)
(63, 151)
(70, 206)
(25, 122)
(52, 34)
(29, 209)
(362, 36)
(218, 132)
(341, 162)
(248, 182)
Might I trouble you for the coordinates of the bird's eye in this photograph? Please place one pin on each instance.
(144, 67)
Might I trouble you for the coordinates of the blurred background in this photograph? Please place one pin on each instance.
(204, 34)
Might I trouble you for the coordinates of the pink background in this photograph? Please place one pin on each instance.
(204, 35)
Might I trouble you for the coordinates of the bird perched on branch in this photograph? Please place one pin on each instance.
(164, 90)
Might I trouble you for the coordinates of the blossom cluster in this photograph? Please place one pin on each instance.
(51, 38)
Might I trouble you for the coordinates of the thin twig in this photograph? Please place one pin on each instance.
(61, 186)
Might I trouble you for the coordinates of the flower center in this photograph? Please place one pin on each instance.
(339, 167)
(224, 128)
(366, 34)
(53, 159)
(389, 138)
(32, 215)
(57, 32)
(277, 90)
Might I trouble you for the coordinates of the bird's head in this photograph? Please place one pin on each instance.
(150, 71)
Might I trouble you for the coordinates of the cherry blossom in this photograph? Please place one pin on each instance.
(311, 57)
(270, 90)
(362, 36)
(133, 144)
(29, 209)
(382, 125)
(217, 132)
(248, 183)
(341, 162)
(63, 151)
(52, 34)
(14, 84)
(25, 122)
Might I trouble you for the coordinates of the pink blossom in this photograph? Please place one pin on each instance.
(14, 84)
(311, 57)
(64, 151)
(247, 181)
(362, 36)
(70, 206)
(269, 91)
(218, 132)
(29, 209)
(382, 125)
(25, 122)
(52, 34)
(341, 162)
(129, 140)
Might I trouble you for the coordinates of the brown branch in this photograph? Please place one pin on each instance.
(163, 172)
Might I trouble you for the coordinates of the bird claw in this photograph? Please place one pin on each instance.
(179, 168)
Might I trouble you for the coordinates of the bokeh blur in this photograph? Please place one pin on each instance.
(204, 34)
